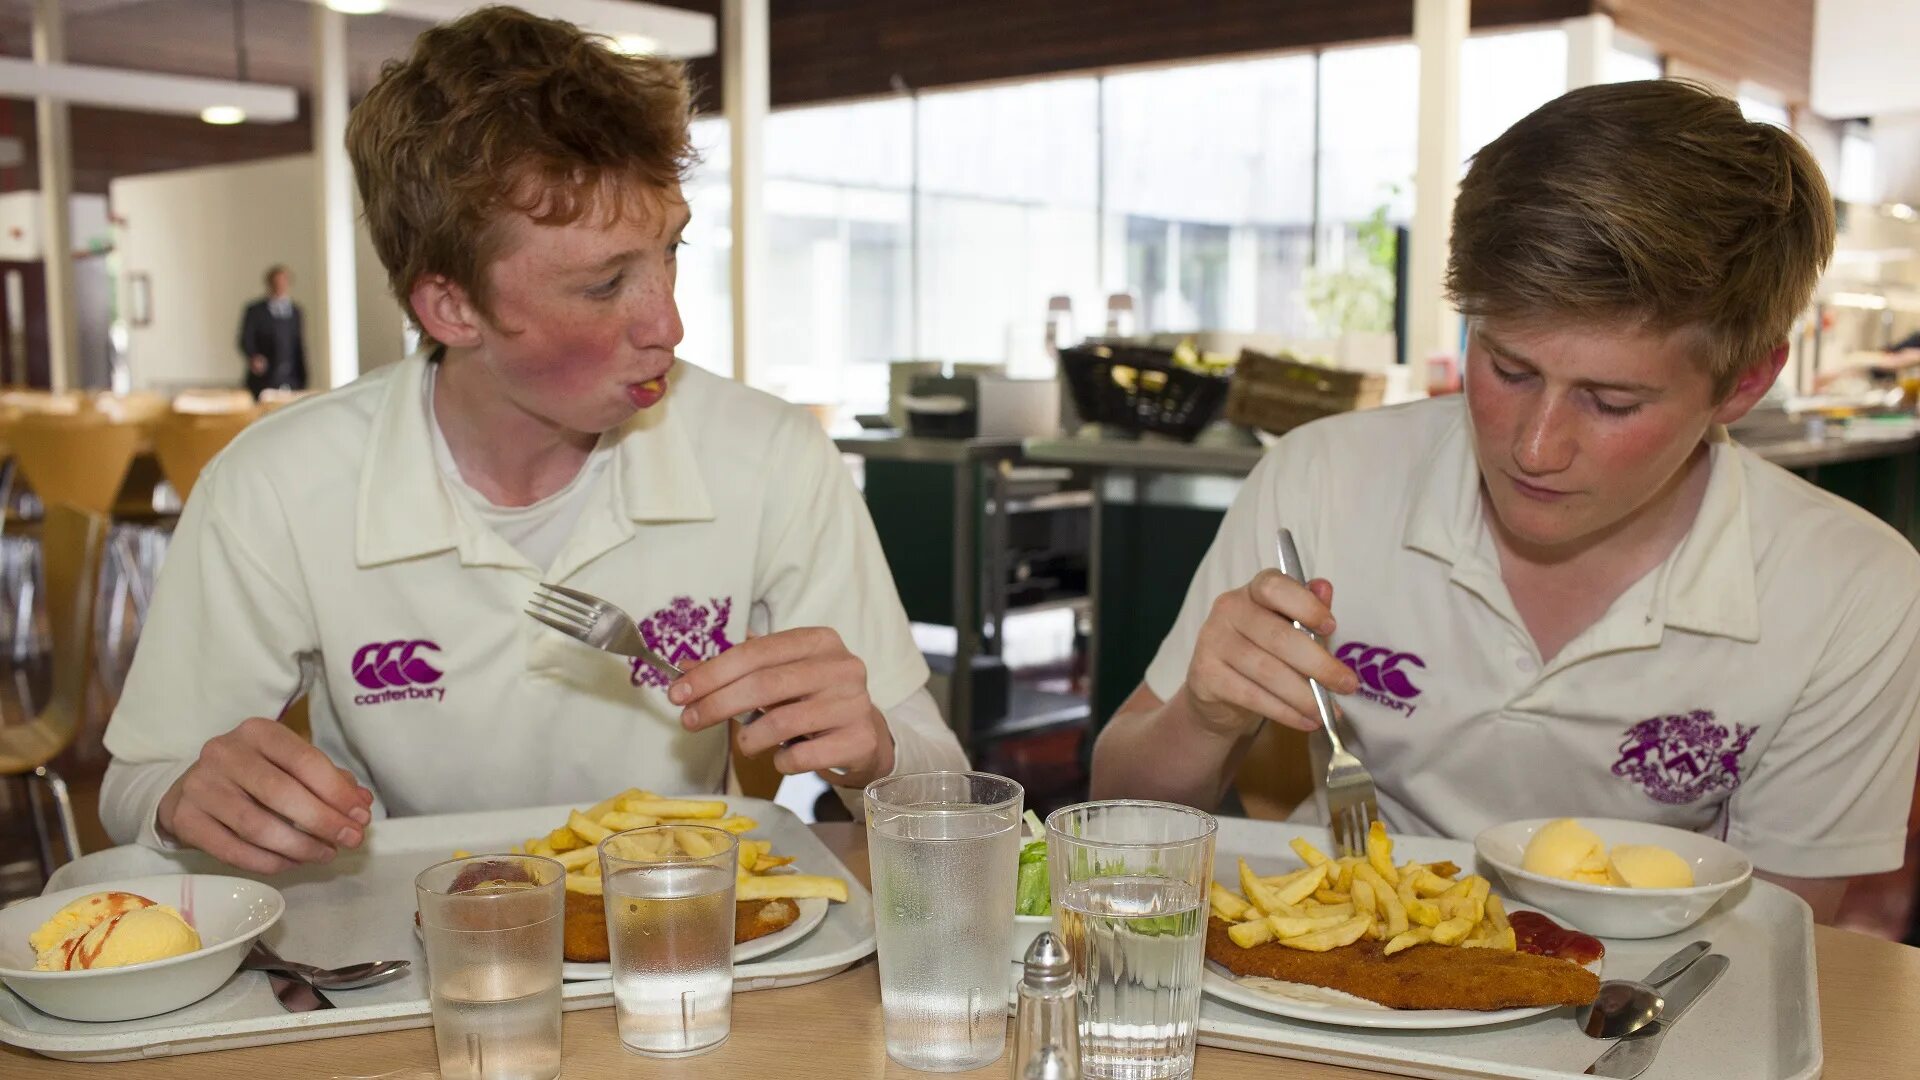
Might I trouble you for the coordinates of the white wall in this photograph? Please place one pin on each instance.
(204, 237)
(1863, 57)
(20, 224)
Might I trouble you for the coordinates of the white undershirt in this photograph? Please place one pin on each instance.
(538, 530)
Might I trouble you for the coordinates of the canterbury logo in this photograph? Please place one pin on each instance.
(382, 665)
(1380, 669)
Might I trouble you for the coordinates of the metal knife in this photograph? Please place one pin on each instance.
(295, 995)
(1630, 1057)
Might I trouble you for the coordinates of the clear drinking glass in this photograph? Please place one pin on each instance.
(944, 849)
(492, 928)
(1130, 884)
(669, 898)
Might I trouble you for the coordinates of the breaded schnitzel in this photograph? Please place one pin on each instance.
(586, 924)
(1422, 977)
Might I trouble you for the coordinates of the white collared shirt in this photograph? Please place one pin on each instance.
(1762, 683)
(325, 534)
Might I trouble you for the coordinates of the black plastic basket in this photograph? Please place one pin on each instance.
(1139, 388)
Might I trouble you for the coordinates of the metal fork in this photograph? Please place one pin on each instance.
(592, 621)
(1352, 807)
(588, 619)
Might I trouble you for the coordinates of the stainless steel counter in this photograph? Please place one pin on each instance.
(1239, 460)
(891, 446)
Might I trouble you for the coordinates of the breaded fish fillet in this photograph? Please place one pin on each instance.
(1423, 977)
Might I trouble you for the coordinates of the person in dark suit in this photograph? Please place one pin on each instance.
(271, 338)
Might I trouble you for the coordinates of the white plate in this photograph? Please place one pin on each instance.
(1323, 1006)
(813, 912)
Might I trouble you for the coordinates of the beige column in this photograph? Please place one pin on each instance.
(55, 144)
(1433, 328)
(334, 346)
(745, 95)
(1589, 41)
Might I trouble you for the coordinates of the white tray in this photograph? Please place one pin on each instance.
(1760, 1023)
(361, 907)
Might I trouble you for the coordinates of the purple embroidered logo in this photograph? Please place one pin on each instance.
(396, 671)
(1681, 759)
(1383, 676)
(683, 632)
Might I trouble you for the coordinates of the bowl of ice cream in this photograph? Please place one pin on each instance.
(1612, 877)
(122, 950)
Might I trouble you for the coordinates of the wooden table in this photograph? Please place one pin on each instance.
(830, 1030)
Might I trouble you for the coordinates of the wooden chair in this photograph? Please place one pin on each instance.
(83, 461)
(208, 401)
(132, 408)
(65, 403)
(73, 543)
(186, 442)
(80, 459)
(274, 397)
(1277, 774)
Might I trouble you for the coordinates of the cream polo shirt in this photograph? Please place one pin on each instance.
(1761, 684)
(325, 536)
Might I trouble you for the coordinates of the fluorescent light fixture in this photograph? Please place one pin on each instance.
(140, 91)
(223, 114)
(1867, 301)
(358, 7)
(636, 44)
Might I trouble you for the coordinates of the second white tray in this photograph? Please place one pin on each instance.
(1761, 1022)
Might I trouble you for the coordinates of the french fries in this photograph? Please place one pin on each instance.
(1329, 903)
(691, 809)
(1303, 886)
(1226, 905)
(789, 887)
(575, 845)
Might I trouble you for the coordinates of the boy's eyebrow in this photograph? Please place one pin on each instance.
(1506, 352)
(619, 258)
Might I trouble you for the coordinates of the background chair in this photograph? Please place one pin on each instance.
(186, 442)
(31, 737)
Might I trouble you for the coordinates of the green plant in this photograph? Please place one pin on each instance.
(1357, 297)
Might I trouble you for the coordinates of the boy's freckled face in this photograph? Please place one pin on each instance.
(584, 323)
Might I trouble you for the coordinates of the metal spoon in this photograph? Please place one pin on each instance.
(1624, 1006)
(351, 977)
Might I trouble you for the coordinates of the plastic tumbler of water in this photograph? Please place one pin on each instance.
(944, 850)
(669, 900)
(492, 928)
(1130, 883)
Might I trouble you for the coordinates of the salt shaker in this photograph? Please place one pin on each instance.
(1046, 1031)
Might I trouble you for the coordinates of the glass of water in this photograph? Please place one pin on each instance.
(492, 928)
(1130, 884)
(944, 849)
(669, 898)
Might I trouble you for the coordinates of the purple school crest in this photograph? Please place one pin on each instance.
(1682, 759)
(683, 632)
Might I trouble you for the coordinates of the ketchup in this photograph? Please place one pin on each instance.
(1535, 933)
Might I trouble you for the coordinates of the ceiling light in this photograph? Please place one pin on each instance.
(358, 7)
(636, 44)
(223, 114)
(1903, 211)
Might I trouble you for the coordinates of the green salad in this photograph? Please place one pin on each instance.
(1033, 894)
